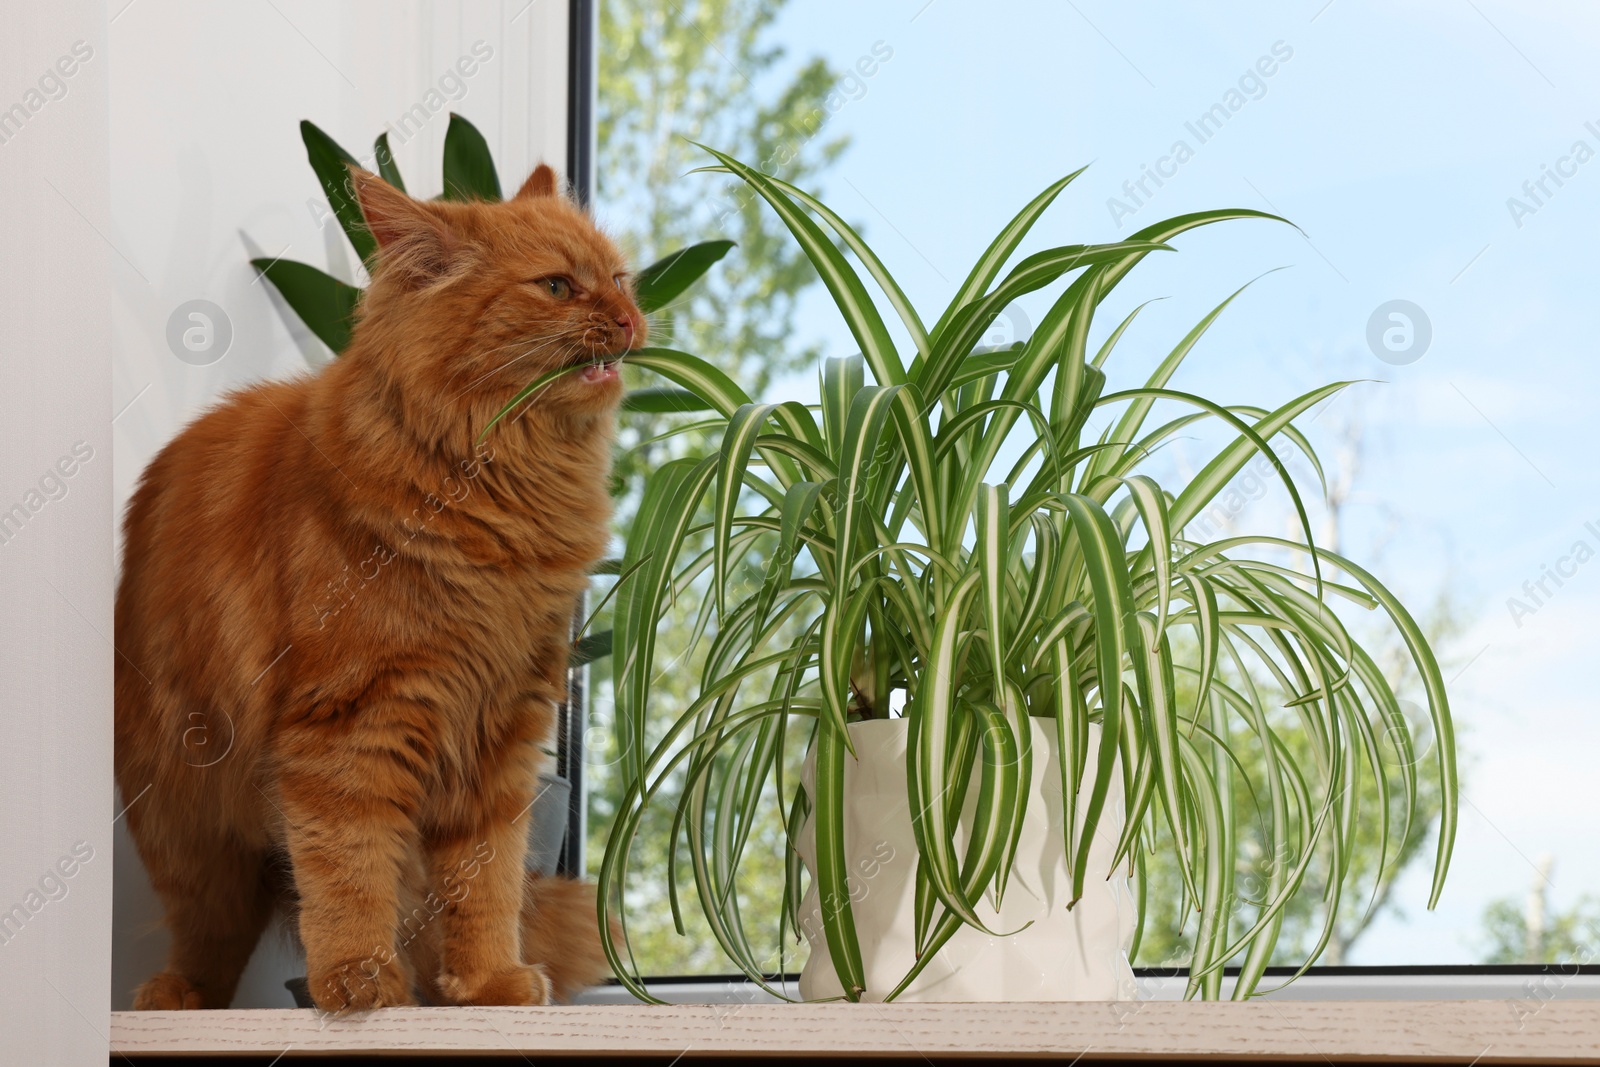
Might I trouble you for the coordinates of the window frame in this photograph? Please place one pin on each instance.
(573, 716)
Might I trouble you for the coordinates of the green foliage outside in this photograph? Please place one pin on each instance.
(1527, 931)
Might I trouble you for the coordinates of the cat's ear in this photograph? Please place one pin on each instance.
(409, 234)
(542, 182)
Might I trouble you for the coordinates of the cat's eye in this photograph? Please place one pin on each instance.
(558, 287)
(621, 281)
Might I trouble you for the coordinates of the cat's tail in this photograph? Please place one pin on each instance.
(559, 930)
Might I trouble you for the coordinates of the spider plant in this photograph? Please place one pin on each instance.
(901, 553)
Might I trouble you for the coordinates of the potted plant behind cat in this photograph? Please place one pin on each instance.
(1018, 689)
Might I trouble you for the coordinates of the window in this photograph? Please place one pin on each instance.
(1436, 171)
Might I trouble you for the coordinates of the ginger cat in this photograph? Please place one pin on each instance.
(343, 623)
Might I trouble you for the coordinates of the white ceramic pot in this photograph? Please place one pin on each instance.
(1080, 954)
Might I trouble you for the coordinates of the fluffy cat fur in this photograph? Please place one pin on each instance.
(343, 624)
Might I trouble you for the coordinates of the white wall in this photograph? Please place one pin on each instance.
(208, 171)
(55, 571)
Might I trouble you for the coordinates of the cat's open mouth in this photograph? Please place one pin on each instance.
(600, 370)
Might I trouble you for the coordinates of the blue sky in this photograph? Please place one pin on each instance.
(1394, 135)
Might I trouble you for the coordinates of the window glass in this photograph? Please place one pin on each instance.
(1440, 169)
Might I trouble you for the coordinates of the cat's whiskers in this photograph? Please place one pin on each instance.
(502, 348)
(509, 363)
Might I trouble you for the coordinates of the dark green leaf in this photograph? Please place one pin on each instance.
(331, 162)
(662, 399)
(386, 165)
(589, 648)
(663, 281)
(469, 172)
(324, 303)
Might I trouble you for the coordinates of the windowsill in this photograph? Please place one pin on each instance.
(1527, 985)
(1460, 1031)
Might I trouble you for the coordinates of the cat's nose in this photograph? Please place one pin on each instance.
(630, 330)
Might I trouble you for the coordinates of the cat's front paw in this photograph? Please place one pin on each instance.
(360, 985)
(168, 992)
(522, 986)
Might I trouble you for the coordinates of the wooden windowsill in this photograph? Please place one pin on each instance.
(1460, 1031)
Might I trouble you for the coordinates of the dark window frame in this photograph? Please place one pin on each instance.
(572, 716)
